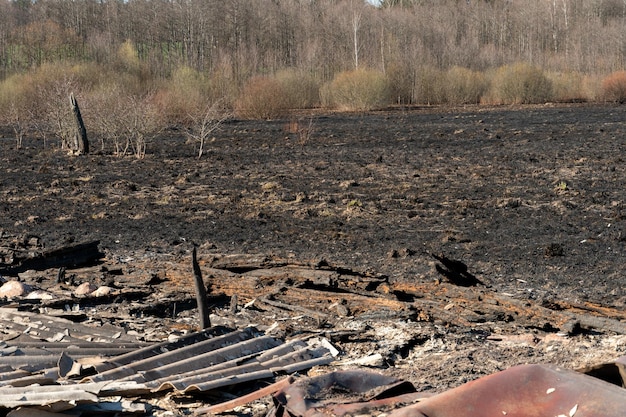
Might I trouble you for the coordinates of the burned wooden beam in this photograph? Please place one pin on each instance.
(72, 256)
(203, 303)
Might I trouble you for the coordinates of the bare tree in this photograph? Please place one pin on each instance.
(204, 122)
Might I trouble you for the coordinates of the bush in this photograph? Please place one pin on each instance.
(520, 84)
(614, 87)
(126, 121)
(15, 90)
(263, 98)
(16, 95)
(429, 86)
(223, 85)
(568, 86)
(401, 79)
(301, 90)
(359, 90)
(182, 94)
(464, 86)
(38, 101)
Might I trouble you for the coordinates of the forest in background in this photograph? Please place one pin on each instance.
(190, 61)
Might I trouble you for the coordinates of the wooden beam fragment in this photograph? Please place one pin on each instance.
(203, 303)
(245, 399)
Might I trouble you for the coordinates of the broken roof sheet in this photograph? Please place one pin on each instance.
(217, 361)
(59, 376)
(48, 328)
(33, 346)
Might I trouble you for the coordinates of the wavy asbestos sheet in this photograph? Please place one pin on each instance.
(201, 361)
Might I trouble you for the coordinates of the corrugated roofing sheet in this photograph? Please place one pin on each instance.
(58, 364)
(218, 361)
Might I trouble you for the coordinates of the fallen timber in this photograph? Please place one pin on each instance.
(313, 299)
(326, 292)
(318, 291)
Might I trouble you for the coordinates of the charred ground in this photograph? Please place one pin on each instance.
(524, 206)
(529, 199)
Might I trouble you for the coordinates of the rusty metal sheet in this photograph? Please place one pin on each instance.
(521, 391)
(343, 392)
(524, 391)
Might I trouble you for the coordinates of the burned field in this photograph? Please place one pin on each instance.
(436, 246)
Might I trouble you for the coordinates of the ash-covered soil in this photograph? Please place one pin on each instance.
(530, 199)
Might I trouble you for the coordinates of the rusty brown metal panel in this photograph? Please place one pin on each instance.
(524, 391)
(521, 391)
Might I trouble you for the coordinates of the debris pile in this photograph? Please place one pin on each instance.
(60, 365)
(307, 332)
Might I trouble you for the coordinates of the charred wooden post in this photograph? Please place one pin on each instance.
(201, 297)
(81, 144)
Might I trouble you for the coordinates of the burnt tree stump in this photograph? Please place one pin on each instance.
(81, 144)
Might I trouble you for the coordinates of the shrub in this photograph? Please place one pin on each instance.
(90, 75)
(401, 79)
(614, 87)
(263, 98)
(16, 95)
(223, 85)
(360, 89)
(38, 101)
(520, 84)
(130, 70)
(464, 86)
(592, 87)
(182, 94)
(129, 121)
(301, 90)
(429, 86)
(568, 86)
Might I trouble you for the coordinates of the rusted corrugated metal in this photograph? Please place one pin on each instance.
(521, 391)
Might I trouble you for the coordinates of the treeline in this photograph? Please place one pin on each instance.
(321, 37)
(185, 56)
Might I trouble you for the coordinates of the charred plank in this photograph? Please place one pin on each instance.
(72, 256)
